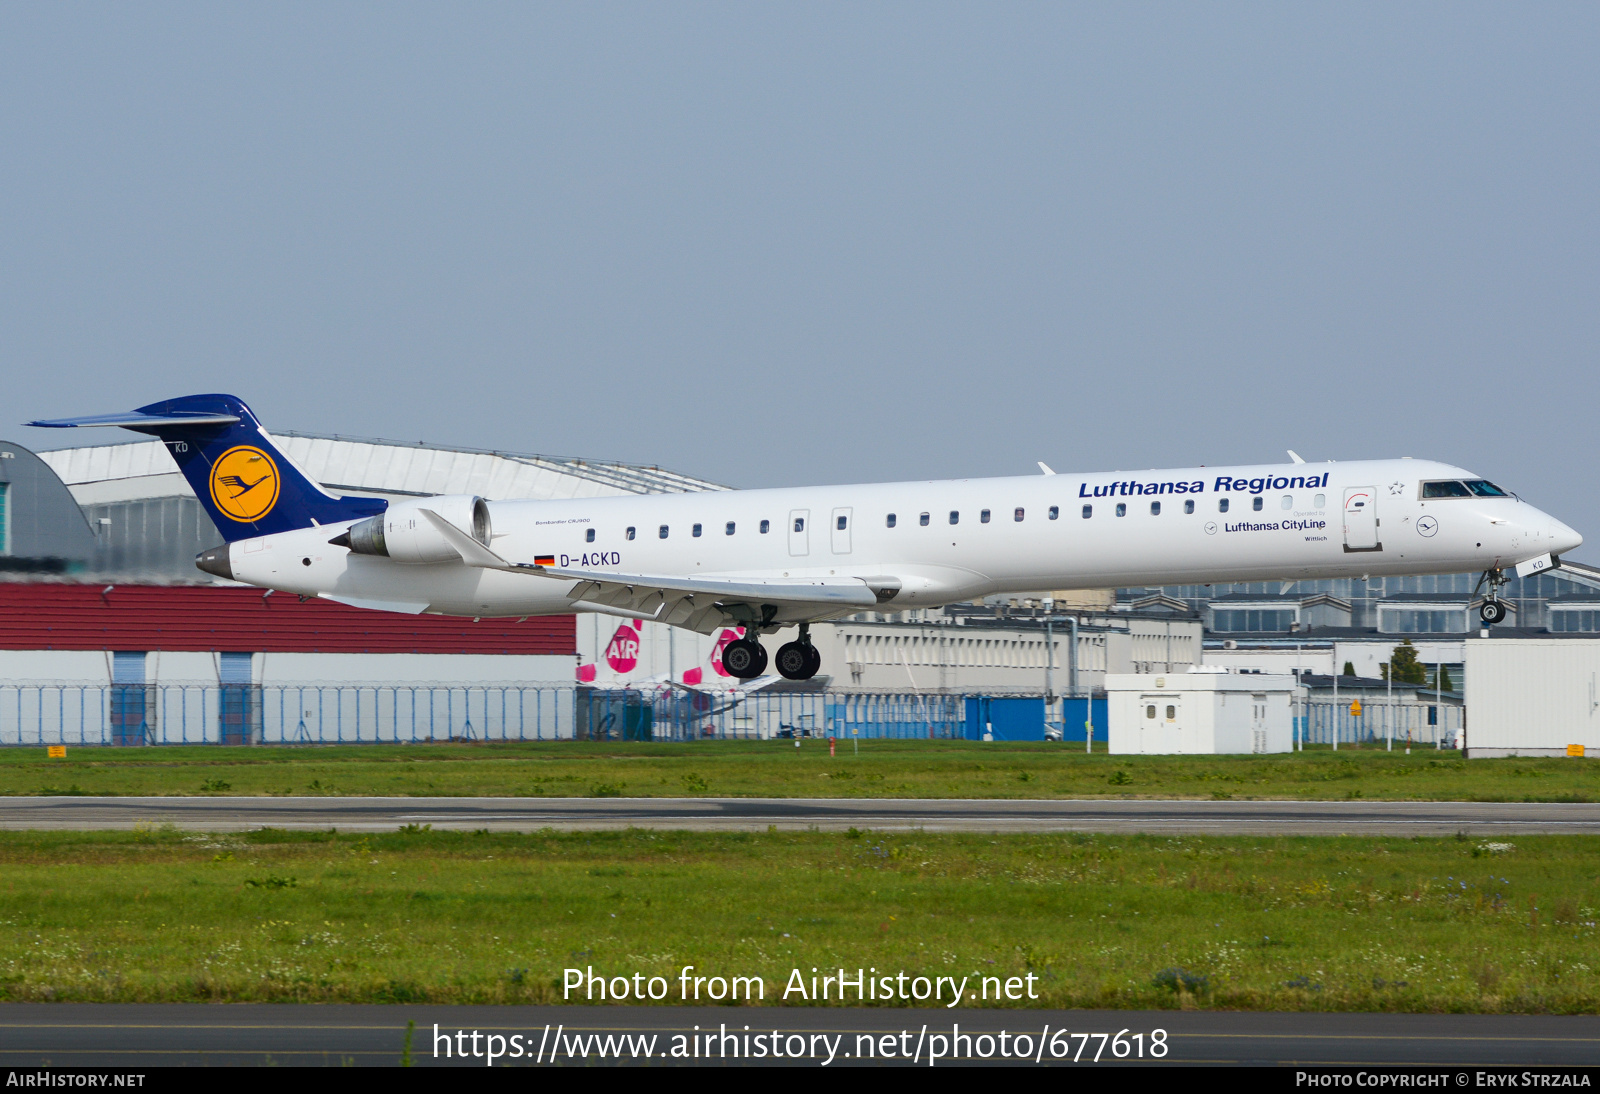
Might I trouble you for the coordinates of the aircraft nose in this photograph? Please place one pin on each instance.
(216, 561)
(1562, 538)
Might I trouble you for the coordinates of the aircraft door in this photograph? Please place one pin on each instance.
(1258, 723)
(1361, 519)
(799, 533)
(841, 531)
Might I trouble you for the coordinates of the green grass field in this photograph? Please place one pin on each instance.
(1101, 921)
(921, 769)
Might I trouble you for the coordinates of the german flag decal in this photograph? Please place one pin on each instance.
(544, 560)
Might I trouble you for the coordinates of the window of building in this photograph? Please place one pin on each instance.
(1286, 502)
(663, 532)
(1122, 508)
(1188, 505)
(1252, 619)
(588, 537)
(1018, 515)
(1222, 505)
(1319, 501)
(1422, 621)
(1055, 512)
(923, 520)
(695, 531)
(727, 529)
(842, 522)
(766, 526)
(631, 533)
(983, 517)
(889, 520)
(1573, 620)
(955, 516)
(1155, 509)
(1256, 502)
(1088, 511)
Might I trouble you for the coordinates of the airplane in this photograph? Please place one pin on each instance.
(765, 559)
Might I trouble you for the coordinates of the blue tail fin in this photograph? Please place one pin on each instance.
(247, 486)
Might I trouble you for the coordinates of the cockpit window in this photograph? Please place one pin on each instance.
(1485, 489)
(1445, 490)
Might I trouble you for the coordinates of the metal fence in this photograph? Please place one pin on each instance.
(156, 714)
(161, 714)
(1327, 723)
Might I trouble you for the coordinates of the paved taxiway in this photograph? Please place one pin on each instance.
(131, 1036)
(754, 814)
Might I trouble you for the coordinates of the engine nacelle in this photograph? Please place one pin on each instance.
(404, 534)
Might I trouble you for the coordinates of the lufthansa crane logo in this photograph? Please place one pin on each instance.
(244, 483)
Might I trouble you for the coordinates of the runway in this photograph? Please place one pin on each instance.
(758, 814)
(133, 1036)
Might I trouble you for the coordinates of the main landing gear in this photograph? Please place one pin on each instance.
(747, 659)
(1492, 610)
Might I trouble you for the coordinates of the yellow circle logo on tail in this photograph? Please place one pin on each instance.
(244, 483)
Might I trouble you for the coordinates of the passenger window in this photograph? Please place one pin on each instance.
(695, 531)
(766, 526)
(889, 521)
(663, 531)
(1150, 712)
(1017, 516)
(983, 517)
(1172, 714)
(1188, 505)
(1286, 502)
(1055, 512)
(728, 530)
(955, 516)
(1222, 505)
(630, 533)
(588, 537)
(923, 520)
(1122, 508)
(1155, 509)
(1256, 502)
(842, 521)
(1319, 501)
(1088, 511)
(799, 524)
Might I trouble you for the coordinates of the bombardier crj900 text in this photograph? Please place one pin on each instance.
(762, 559)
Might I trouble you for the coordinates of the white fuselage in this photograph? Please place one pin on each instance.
(941, 549)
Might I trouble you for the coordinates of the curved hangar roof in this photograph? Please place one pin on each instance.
(121, 472)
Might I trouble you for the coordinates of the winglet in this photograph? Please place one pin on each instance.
(1045, 468)
(1295, 456)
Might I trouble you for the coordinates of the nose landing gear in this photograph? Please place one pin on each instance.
(1492, 610)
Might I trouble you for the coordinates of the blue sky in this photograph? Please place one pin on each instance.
(786, 244)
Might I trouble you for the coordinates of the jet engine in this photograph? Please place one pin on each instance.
(403, 534)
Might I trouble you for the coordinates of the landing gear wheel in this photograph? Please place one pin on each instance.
(1492, 611)
(792, 661)
(745, 658)
(813, 661)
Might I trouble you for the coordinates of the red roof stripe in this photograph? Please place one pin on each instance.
(40, 616)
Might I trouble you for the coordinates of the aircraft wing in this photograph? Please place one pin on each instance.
(698, 603)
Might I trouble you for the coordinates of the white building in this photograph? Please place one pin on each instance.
(1533, 697)
(1199, 713)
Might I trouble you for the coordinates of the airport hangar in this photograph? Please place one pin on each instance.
(114, 528)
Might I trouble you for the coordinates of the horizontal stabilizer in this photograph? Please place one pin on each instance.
(133, 419)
